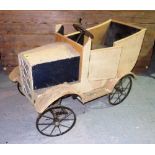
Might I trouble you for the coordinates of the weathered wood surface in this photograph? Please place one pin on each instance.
(23, 30)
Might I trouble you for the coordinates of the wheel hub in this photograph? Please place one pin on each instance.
(57, 123)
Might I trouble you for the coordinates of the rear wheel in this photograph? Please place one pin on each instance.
(56, 121)
(121, 90)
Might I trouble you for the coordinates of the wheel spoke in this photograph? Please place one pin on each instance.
(124, 93)
(112, 95)
(54, 112)
(127, 87)
(120, 85)
(45, 124)
(63, 110)
(118, 98)
(115, 95)
(59, 129)
(47, 117)
(52, 130)
(64, 125)
(46, 127)
(65, 117)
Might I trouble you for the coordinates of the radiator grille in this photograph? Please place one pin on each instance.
(25, 75)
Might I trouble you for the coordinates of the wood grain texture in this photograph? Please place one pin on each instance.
(130, 50)
(100, 69)
(108, 60)
(23, 30)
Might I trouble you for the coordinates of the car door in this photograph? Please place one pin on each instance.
(104, 63)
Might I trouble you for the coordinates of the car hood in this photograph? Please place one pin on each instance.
(50, 52)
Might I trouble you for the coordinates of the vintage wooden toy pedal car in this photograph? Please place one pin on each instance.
(86, 64)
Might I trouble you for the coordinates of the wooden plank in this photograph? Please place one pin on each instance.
(22, 30)
(15, 22)
(21, 42)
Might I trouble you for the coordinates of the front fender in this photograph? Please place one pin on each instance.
(15, 75)
(51, 95)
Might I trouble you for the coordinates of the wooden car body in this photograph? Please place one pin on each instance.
(103, 60)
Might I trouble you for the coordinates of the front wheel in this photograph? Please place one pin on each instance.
(56, 121)
(121, 90)
(20, 88)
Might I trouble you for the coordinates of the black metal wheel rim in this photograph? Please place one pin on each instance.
(56, 121)
(121, 90)
(20, 88)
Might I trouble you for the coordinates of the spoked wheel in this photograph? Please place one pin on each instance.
(56, 121)
(20, 88)
(121, 90)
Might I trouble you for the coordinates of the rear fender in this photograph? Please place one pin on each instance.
(132, 75)
(112, 82)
